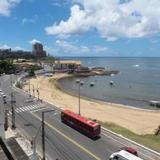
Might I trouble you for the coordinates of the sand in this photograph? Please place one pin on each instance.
(137, 120)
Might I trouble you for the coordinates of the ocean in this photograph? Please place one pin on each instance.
(137, 83)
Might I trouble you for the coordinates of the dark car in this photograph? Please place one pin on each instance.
(130, 150)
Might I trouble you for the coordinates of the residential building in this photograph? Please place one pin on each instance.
(37, 50)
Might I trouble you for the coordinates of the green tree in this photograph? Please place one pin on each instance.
(7, 66)
(31, 72)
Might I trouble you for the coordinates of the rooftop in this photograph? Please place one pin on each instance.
(68, 62)
(81, 118)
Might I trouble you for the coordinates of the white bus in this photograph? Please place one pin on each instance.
(123, 155)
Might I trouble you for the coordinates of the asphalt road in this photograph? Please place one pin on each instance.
(62, 142)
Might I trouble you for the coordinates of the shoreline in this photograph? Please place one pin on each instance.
(59, 86)
(140, 121)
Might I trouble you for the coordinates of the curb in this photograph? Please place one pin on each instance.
(118, 135)
(131, 141)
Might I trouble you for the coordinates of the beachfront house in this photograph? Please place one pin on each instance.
(67, 64)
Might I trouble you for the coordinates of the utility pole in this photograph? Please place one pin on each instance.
(11, 80)
(12, 106)
(33, 143)
(43, 138)
(6, 114)
(13, 110)
(79, 96)
(38, 93)
(35, 156)
(43, 134)
(29, 89)
(2, 133)
(79, 112)
(33, 90)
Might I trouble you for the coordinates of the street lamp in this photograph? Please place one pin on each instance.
(33, 143)
(5, 113)
(29, 88)
(43, 134)
(33, 90)
(80, 83)
(13, 110)
(2, 133)
(38, 93)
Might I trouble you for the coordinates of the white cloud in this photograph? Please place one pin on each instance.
(112, 19)
(5, 46)
(78, 23)
(51, 50)
(18, 48)
(69, 47)
(30, 20)
(59, 3)
(99, 49)
(34, 41)
(7, 5)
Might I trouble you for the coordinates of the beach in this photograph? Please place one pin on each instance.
(139, 121)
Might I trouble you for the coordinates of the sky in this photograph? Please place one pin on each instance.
(91, 28)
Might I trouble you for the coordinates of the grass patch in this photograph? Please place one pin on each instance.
(147, 140)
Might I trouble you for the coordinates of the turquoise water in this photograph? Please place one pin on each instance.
(137, 83)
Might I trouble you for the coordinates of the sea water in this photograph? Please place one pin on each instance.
(137, 83)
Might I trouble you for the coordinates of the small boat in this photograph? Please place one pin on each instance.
(77, 80)
(111, 83)
(155, 103)
(81, 83)
(92, 84)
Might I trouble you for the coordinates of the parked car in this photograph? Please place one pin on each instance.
(28, 100)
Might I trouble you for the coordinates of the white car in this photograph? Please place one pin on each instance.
(123, 155)
(28, 100)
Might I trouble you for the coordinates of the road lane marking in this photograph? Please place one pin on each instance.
(30, 108)
(125, 145)
(68, 138)
(36, 110)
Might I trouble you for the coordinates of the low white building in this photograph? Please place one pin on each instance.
(67, 64)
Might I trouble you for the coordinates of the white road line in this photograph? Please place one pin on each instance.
(36, 106)
(125, 145)
(36, 110)
(27, 108)
(18, 110)
(24, 109)
(30, 107)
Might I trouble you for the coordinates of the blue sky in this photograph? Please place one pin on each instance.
(82, 27)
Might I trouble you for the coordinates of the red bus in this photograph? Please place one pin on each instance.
(90, 128)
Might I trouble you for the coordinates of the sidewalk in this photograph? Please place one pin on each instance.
(19, 145)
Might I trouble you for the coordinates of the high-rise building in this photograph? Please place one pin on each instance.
(37, 50)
